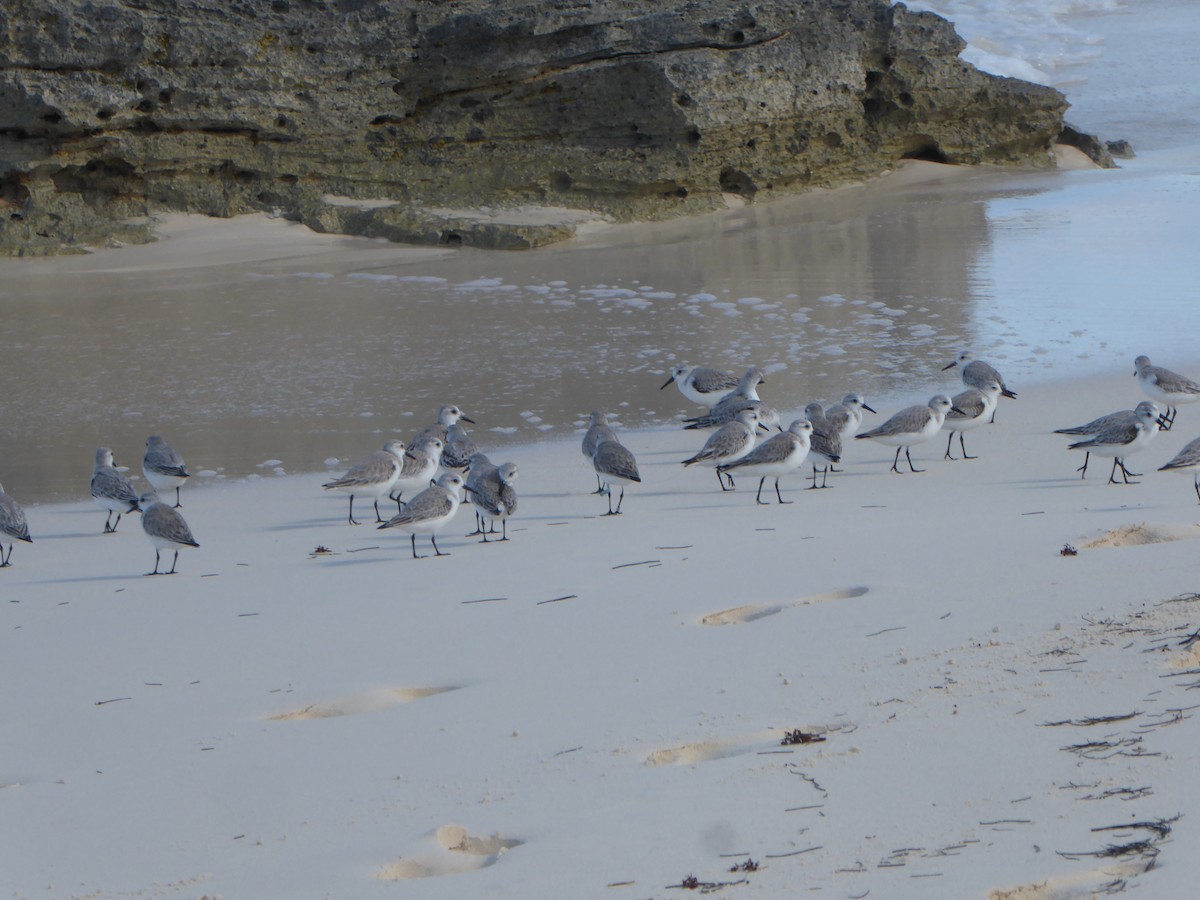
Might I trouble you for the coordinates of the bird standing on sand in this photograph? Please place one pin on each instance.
(458, 448)
(598, 431)
(779, 455)
(429, 510)
(165, 529)
(112, 490)
(1167, 387)
(1123, 438)
(825, 445)
(1186, 460)
(163, 467)
(978, 374)
(728, 444)
(972, 408)
(615, 464)
(374, 476)
(701, 384)
(13, 524)
(493, 495)
(912, 425)
(418, 466)
(1094, 427)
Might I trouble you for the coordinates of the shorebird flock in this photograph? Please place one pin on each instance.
(429, 477)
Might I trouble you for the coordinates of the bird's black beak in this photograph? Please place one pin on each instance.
(669, 382)
(955, 409)
(465, 419)
(868, 409)
(470, 490)
(951, 366)
(408, 453)
(764, 427)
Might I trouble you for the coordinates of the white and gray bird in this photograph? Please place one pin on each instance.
(418, 466)
(163, 467)
(165, 529)
(374, 476)
(702, 385)
(477, 467)
(615, 464)
(429, 511)
(779, 455)
(847, 417)
(1094, 427)
(458, 449)
(728, 444)
(912, 425)
(972, 408)
(744, 396)
(598, 431)
(979, 374)
(494, 497)
(825, 446)
(1122, 439)
(13, 524)
(1167, 387)
(448, 414)
(111, 489)
(1186, 460)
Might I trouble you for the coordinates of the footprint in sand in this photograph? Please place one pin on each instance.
(450, 850)
(1143, 533)
(372, 701)
(739, 615)
(707, 751)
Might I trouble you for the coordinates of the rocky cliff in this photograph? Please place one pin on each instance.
(111, 110)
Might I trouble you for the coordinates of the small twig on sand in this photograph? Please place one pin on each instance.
(557, 599)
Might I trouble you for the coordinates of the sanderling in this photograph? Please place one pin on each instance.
(447, 415)
(702, 384)
(13, 524)
(112, 490)
(598, 431)
(779, 455)
(767, 415)
(728, 444)
(1166, 387)
(825, 446)
(493, 495)
(978, 374)
(1186, 460)
(374, 476)
(418, 466)
(615, 464)
(163, 467)
(972, 408)
(165, 528)
(427, 512)
(735, 401)
(1094, 427)
(912, 425)
(847, 417)
(1123, 438)
(477, 467)
(458, 449)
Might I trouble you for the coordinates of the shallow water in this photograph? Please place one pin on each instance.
(322, 348)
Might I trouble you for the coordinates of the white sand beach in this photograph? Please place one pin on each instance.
(597, 707)
(972, 682)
